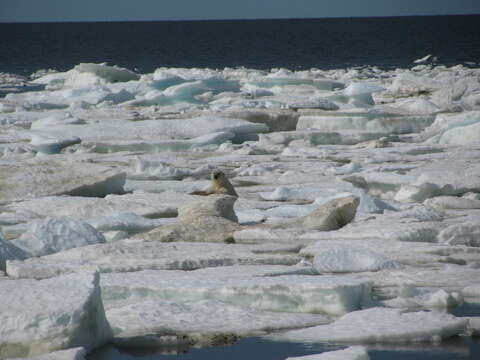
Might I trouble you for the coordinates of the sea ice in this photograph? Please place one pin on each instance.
(362, 92)
(415, 298)
(108, 73)
(389, 250)
(381, 325)
(472, 291)
(190, 317)
(42, 316)
(350, 353)
(9, 251)
(122, 151)
(78, 353)
(467, 234)
(373, 121)
(348, 261)
(125, 222)
(134, 255)
(141, 203)
(47, 144)
(245, 286)
(452, 202)
(30, 180)
(52, 235)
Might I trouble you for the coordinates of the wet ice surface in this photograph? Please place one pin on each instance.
(357, 217)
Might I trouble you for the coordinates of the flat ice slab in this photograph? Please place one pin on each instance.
(381, 325)
(43, 316)
(69, 354)
(19, 182)
(190, 317)
(351, 353)
(133, 255)
(243, 286)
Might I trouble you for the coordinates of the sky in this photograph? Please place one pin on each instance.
(141, 10)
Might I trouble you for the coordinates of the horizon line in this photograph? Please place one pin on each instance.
(231, 19)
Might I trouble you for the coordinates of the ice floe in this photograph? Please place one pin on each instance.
(134, 255)
(52, 235)
(64, 312)
(194, 318)
(351, 353)
(380, 325)
(69, 354)
(248, 286)
(358, 206)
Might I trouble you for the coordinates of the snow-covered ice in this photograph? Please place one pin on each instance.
(99, 163)
(248, 286)
(56, 234)
(378, 325)
(195, 317)
(54, 314)
(351, 353)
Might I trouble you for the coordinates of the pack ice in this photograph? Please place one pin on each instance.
(356, 220)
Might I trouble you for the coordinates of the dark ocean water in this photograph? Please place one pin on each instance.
(261, 44)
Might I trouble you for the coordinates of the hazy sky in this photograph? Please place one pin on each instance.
(110, 10)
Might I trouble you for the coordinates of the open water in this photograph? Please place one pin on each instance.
(261, 44)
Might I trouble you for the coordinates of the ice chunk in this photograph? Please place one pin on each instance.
(69, 354)
(187, 317)
(409, 84)
(127, 222)
(281, 193)
(47, 144)
(23, 181)
(345, 169)
(149, 146)
(347, 260)
(46, 123)
(351, 353)
(381, 325)
(133, 255)
(43, 316)
(396, 251)
(140, 203)
(411, 297)
(452, 202)
(143, 169)
(257, 234)
(8, 251)
(371, 205)
(373, 121)
(362, 92)
(462, 135)
(108, 73)
(417, 193)
(313, 103)
(245, 286)
(472, 291)
(418, 106)
(467, 234)
(423, 59)
(52, 235)
(454, 128)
